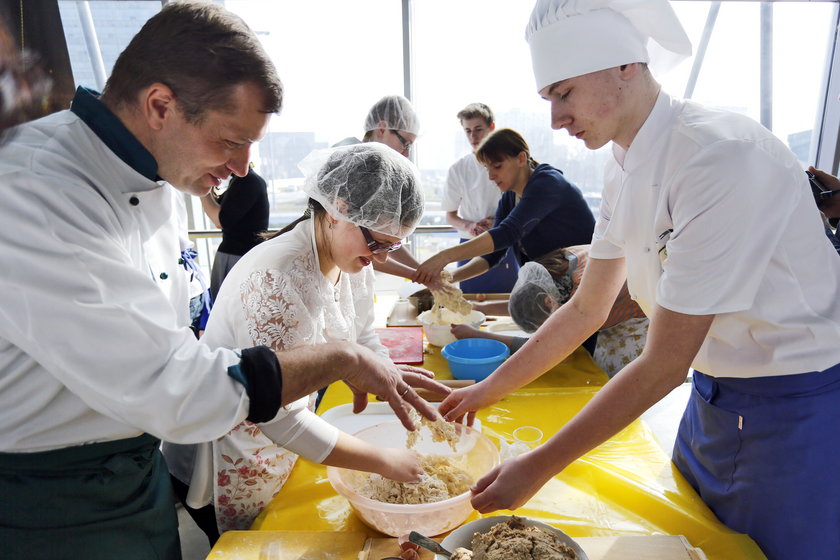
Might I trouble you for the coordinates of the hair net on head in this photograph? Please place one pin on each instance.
(395, 110)
(369, 185)
(533, 297)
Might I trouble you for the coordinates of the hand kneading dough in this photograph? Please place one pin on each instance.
(440, 481)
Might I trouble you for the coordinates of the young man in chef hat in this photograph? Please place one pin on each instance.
(709, 218)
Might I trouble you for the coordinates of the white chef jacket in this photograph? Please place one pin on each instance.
(90, 348)
(470, 191)
(714, 216)
(275, 296)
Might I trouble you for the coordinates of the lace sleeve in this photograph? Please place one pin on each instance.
(275, 313)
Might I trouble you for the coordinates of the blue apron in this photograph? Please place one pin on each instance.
(763, 453)
(101, 501)
(498, 280)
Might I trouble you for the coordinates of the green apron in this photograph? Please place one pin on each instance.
(100, 501)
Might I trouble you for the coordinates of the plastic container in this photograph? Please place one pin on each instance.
(474, 358)
(475, 454)
(440, 335)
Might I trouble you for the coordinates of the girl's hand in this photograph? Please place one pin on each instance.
(467, 401)
(509, 485)
(464, 331)
(402, 465)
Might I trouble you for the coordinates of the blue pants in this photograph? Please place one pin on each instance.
(763, 453)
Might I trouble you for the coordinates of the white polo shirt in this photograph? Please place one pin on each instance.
(714, 216)
(470, 191)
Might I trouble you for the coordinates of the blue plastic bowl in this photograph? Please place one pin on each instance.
(474, 358)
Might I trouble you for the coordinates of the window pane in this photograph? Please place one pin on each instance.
(730, 76)
(475, 51)
(336, 59)
(114, 24)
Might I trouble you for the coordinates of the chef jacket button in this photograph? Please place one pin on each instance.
(647, 249)
(163, 276)
(181, 261)
(134, 201)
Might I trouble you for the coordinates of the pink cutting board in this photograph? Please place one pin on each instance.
(405, 344)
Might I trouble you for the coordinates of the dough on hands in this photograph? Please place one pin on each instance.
(449, 299)
(441, 430)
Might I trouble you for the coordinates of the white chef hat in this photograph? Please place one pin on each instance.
(369, 185)
(396, 111)
(571, 38)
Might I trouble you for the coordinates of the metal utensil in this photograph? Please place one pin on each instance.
(428, 544)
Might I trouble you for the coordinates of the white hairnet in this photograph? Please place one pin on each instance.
(571, 38)
(369, 185)
(396, 111)
(534, 296)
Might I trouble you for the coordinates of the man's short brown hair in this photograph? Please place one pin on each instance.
(199, 50)
(476, 111)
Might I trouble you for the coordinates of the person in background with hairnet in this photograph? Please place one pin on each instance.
(710, 220)
(542, 287)
(309, 284)
(392, 121)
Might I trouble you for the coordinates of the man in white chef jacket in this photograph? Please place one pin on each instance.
(94, 365)
(710, 219)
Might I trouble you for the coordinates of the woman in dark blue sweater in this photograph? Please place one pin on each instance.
(539, 212)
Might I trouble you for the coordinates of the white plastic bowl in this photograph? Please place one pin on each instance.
(475, 454)
(440, 335)
(462, 536)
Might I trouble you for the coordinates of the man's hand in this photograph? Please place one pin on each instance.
(393, 383)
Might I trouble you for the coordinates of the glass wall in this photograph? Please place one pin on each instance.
(337, 57)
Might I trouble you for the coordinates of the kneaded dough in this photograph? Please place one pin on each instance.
(441, 430)
(461, 553)
(449, 304)
(513, 540)
(440, 481)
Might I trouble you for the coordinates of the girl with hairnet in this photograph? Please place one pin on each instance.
(311, 283)
(392, 121)
(542, 287)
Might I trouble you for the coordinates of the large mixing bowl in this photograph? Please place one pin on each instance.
(475, 454)
(440, 335)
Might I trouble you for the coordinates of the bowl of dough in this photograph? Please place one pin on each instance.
(510, 537)
(437, 323)
(453, 457)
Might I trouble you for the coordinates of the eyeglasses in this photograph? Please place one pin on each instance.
(377, 247)
(406, 144)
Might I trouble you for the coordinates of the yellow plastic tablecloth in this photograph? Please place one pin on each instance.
(627, 486)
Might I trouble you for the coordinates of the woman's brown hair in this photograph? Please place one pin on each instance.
(501, 144)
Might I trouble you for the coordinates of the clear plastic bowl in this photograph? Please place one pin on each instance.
(440, 335)
(476, 454)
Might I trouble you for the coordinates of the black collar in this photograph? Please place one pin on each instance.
(113, 133)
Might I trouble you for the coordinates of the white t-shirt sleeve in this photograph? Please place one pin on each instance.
(302, 431)
(453, 192)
